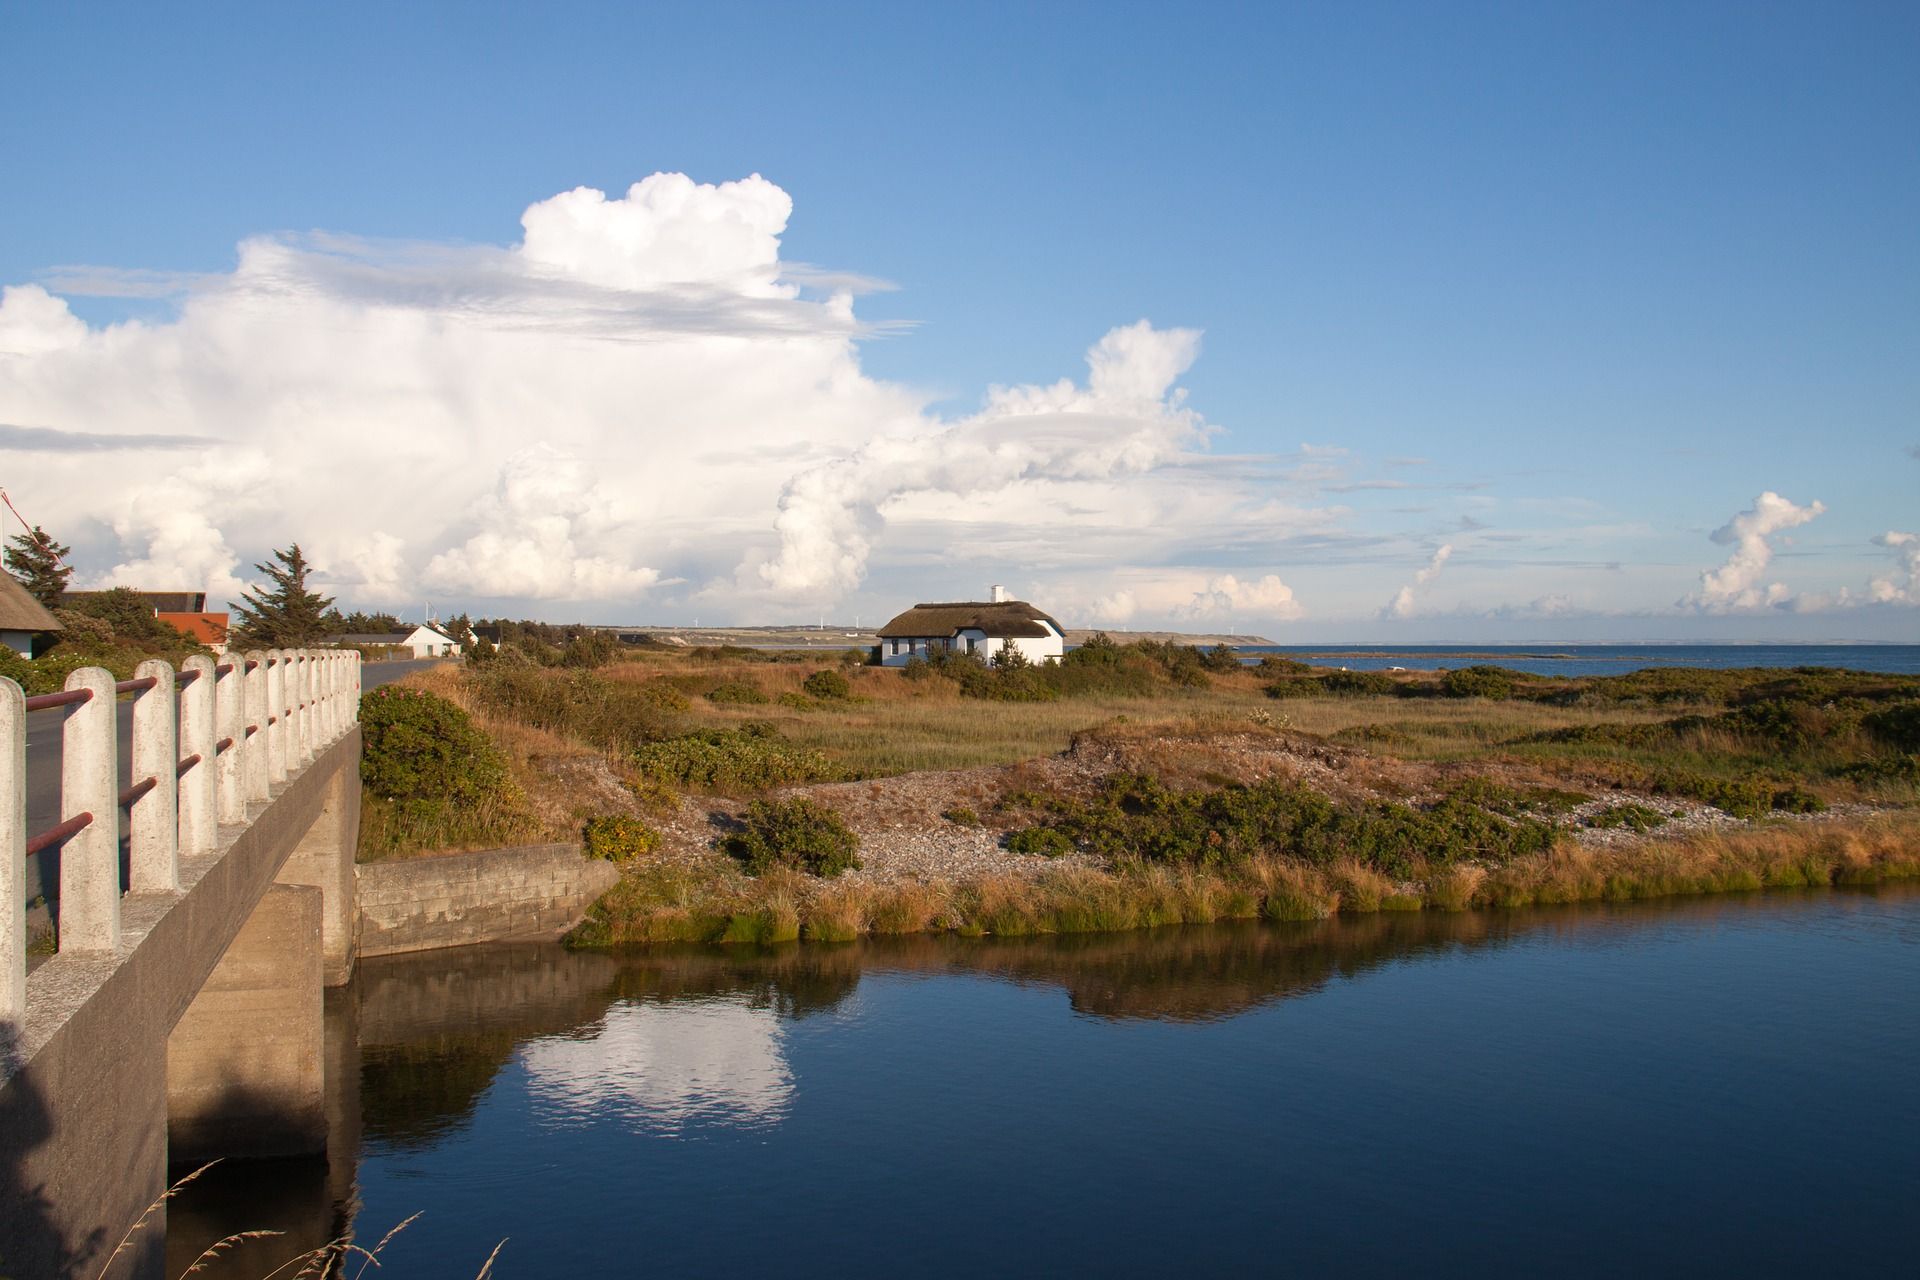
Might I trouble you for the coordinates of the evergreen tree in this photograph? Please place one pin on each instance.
(286, 617)
(40, 564)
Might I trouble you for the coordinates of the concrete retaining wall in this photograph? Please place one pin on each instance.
(524, 894)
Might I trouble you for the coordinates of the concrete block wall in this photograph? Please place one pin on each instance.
(523, 894)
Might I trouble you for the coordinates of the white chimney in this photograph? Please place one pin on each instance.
(996, 594)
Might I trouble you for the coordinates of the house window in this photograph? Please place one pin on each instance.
(972, 644)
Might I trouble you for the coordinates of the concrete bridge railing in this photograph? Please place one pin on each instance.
(180, 1016)
(207, 742)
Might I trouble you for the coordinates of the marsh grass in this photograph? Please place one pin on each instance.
(717, 905)
(330, 1259)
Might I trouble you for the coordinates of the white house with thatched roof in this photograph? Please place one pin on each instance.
(986, 628)
(21, 617)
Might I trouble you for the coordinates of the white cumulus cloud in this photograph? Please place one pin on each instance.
(1902, 585)
(1738, 584)
(1126, 420)
(1402, 604)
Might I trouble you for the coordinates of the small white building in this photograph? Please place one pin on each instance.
(21, 617)
(426, 641)
(986, 628)
(430, 642)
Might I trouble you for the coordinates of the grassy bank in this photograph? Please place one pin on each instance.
(1142, 785)
(677, 904)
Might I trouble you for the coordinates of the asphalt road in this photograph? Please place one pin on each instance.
(43, 768)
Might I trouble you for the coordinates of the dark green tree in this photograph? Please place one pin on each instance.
(40, 564)
(287, 616)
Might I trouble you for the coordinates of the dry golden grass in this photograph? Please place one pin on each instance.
(687, 906)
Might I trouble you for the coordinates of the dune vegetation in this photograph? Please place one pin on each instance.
(1144, 784)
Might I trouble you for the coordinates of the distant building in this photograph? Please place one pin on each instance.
(425, 641)
(986, 628)
(210, 629)
(22, 617)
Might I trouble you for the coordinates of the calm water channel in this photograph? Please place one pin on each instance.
(1710, 1086)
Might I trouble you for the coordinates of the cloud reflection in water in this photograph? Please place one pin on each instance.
(666, 1068)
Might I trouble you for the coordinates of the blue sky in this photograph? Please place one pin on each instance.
(1562, 289)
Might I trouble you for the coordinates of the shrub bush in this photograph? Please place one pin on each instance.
(800, 834)
(828, 686)
(419, 748)
(961, 816)
(1359, 682)
(1493, 683)
(1897, 726)
(1272, 666)
(736, 692)
(1048, 842)
(619, 839)
(749, 758)
(1138, 815)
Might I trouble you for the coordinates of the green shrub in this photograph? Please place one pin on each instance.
(1048, 842)
(418, 748)
(1493, 683)
(619, 839)
(1296, 687)
(750, 758)
(1797, 800)
(961, 816)
(828, 686)
(1359, 682)
(48, 673)
(1897, 726)
(800, 834)
(1634, 817)
(1272, 666)
(1138, 815)
(736, 692)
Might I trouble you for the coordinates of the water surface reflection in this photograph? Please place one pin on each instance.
(503, 1050)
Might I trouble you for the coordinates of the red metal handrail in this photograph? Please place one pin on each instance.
(187, 677)
(133, 793)
(141, 685)
(223, 746)
(47, 839)
(252, 729)
(180, 770)
(70, 698)
(224, 669)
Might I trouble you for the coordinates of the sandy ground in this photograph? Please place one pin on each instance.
(904, 835)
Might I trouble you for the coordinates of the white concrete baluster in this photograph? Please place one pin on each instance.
(198, 790)
(258, 775)
(336, 696)
(353, 688)
(323, 700)
(273, 726)
(153, 821)
(13, 861)
(90, 858)
(230, 725)
(299, 698)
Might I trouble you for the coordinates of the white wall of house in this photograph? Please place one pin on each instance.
(428, 643)
(898, 652)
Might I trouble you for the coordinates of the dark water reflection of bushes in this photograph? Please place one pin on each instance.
(434, 1029)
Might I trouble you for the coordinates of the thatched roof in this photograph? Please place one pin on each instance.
(1015, 619)
(20, 611)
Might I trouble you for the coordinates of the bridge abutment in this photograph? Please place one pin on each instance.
(324, 858)
(246, 1062)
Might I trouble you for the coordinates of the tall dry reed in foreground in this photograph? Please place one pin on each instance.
(329, 1259)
